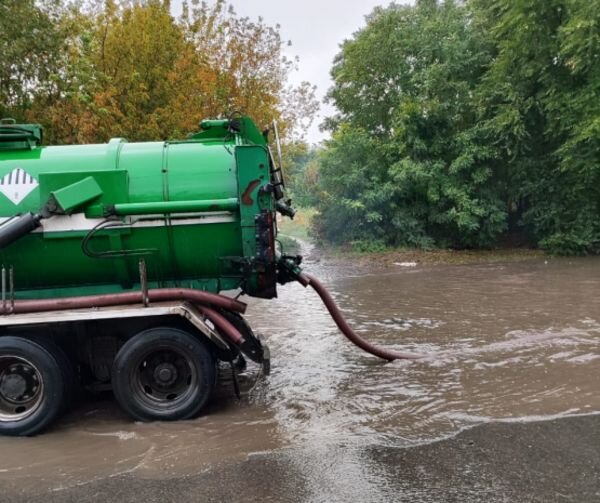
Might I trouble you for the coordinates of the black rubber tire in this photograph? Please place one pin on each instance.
(67, 369)
(52, 400)
(131, 355)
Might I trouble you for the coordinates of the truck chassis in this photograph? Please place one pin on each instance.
(159, 359)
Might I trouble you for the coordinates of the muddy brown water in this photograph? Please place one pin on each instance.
(508, 342)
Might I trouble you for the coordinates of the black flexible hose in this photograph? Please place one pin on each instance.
(17, 227)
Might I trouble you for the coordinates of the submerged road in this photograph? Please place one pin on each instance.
(545, 461)
(507, 410)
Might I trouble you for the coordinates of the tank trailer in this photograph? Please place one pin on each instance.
(113, 259)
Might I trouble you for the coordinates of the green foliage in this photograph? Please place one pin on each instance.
(288, 245)
(404, 166)
(541, 108)
(96, 69)
(368, 246)
(301, 166)
(33, 44)
(459, 123)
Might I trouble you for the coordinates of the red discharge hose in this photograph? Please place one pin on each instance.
(118, 299)
(338, 317)
(201, 299)
(223, 324)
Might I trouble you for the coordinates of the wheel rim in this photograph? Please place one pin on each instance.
(21, 388)
(164, 379)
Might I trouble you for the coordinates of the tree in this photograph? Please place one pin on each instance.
(540, 109)
(301, 166)
(463, 123)
(33, 42)
(404, 165)
(136, 54)
(247, 69)
(106, 68)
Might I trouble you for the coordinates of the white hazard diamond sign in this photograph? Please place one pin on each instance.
(17, 185)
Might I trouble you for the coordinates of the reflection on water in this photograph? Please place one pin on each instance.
(504, 342)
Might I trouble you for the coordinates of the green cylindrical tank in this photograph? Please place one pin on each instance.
(198, 212)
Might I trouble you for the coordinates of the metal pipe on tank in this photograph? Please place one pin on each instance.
(229, 204)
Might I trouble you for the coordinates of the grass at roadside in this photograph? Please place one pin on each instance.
(289, 245)
(432, 257)
(291, 231)
(299, 227)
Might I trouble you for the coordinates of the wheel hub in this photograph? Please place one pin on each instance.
(165, 374)
(164, 377)
(21, 388)
(18, 383)
(13, 386)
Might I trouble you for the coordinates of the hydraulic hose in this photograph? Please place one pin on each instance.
(338, 317)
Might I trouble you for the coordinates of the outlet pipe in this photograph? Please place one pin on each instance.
(340, 321)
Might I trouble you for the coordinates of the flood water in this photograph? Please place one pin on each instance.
(506, 342)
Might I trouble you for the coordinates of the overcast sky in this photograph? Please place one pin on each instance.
(315, 28)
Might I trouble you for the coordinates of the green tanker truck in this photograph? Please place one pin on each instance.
(113, 257)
